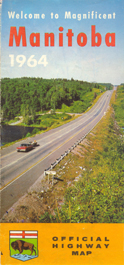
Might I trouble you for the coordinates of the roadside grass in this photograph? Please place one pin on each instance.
(52, 120)
(94, 182)
(119, 106)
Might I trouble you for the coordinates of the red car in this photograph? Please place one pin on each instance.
(24, 147)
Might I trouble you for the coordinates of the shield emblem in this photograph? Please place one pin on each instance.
(23, 245)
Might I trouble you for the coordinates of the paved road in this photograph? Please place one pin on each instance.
(20, 170)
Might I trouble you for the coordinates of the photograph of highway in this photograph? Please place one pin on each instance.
(20, 170)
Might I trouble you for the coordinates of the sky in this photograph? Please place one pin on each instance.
(81, 61)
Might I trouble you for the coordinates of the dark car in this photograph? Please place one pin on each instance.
(34, 143)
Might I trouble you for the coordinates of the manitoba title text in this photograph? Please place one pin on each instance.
(49, 39)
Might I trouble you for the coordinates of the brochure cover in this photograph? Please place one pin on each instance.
(62, 149)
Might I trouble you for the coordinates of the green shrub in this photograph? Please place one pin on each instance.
(35, 130)
(28, 134)
(46, 218)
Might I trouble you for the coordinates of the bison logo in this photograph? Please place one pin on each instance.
(24, 245)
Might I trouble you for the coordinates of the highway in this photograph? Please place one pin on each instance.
(20, 170)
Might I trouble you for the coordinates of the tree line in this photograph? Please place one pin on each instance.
(26, 96)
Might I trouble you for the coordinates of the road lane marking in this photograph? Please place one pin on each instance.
(21, 174)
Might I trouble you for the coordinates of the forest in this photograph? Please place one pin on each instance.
(25, 96)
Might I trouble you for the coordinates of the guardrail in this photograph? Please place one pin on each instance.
(62, 156)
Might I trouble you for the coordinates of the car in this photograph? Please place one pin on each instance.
(24, 147)
(34, 143)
